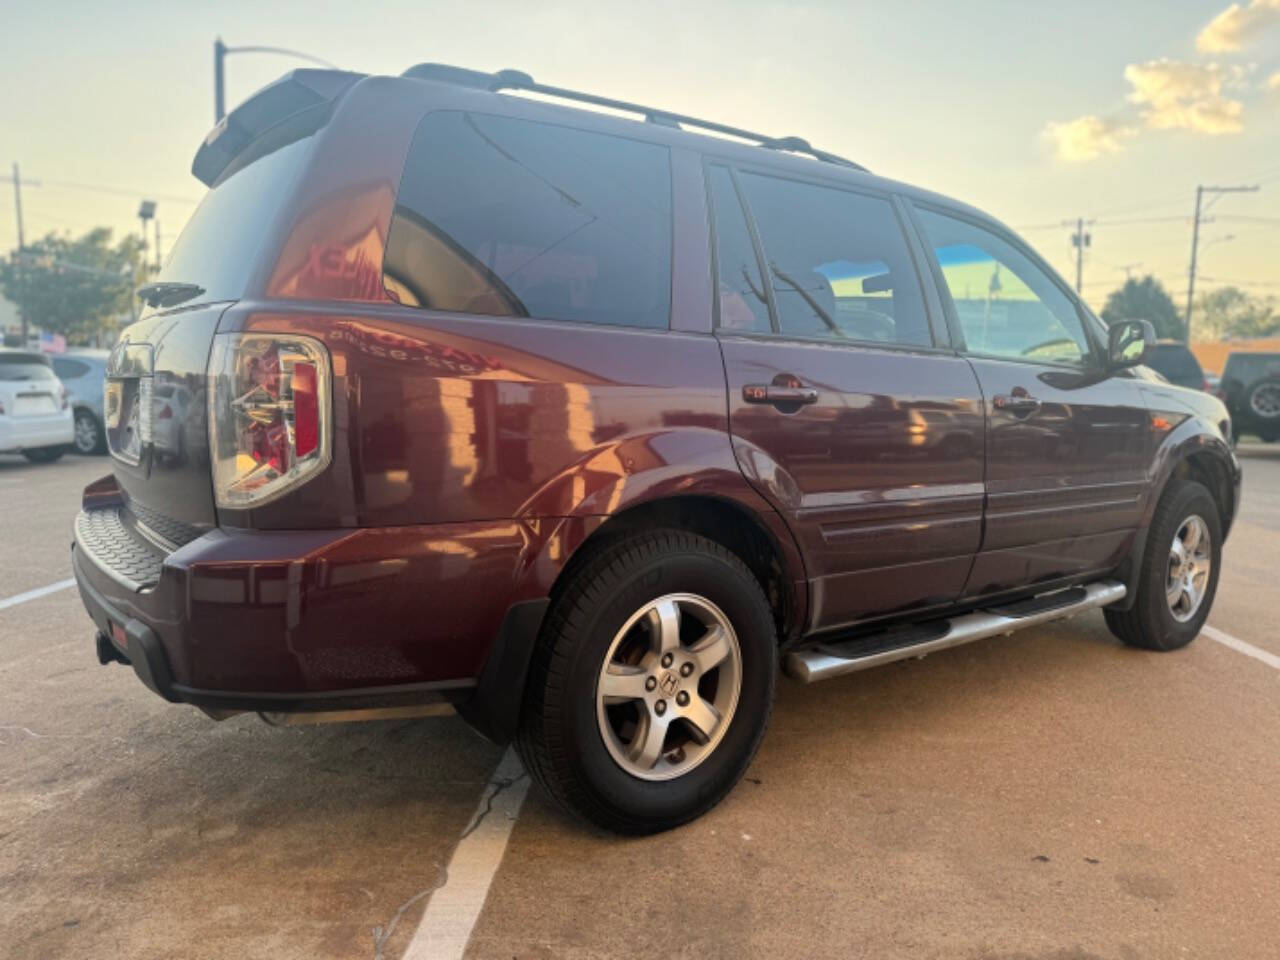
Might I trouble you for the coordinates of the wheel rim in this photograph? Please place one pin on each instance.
(1265, 400)
(669, 686)
(86, 434)
(1190, 562)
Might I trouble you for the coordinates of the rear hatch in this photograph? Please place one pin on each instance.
(155, 395)
(30, 393)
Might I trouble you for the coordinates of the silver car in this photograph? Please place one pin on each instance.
(83, 372)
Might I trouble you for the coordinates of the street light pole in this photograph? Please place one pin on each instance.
(220, 51)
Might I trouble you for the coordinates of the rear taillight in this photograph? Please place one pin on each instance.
(166, 413)
(269, 415)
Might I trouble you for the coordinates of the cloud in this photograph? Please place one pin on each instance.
(1187, 96)
(1273, 82)
(1237, 25)
(1086, 138)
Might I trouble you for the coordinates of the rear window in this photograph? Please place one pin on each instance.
(22, 368)
(222, 241)
(521, 219)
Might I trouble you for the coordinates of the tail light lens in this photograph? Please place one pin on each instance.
(270, 419)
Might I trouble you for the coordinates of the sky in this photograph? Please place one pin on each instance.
(1038, 113)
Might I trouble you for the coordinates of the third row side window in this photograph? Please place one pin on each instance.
(514, 218)
(837, 263)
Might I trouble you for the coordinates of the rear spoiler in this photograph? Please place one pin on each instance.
(294, 94)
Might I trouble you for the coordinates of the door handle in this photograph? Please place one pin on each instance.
(775, 394)
(1020, 405)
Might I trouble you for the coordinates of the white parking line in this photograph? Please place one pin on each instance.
(454, 908)
(1235, 643)
(36, 593)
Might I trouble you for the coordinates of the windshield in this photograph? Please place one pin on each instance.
(220, 246)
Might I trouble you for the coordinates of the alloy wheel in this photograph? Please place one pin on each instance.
(86, 434)
(1265, 400)
(669, 686)
(1190, 563)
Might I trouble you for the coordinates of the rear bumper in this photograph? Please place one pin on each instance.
(313, 620)
(25, 433)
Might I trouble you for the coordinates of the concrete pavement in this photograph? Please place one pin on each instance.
(1048, 795)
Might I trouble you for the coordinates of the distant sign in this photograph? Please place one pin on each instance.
(53, 343)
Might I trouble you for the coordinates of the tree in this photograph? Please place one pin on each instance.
(1145, 299)
(1230, 312)
(74, 286)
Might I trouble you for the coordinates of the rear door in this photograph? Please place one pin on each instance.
(1067, 443)
(859, 425)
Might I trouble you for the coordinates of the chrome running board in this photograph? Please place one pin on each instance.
(827, 660)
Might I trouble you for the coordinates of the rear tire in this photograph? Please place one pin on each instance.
(44, 454)
(613, 628)
(89, 438)
(1179, 574)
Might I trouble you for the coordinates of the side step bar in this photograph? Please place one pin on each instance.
(827, 660)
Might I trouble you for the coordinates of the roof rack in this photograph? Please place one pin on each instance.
(519, 80)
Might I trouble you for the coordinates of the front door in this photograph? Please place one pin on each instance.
(1067, 443)
(844, 413)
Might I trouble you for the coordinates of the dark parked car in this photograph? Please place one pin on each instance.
(1251, 388)
(1174, 361)
(582, 425)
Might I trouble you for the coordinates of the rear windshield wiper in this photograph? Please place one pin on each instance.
(168, 294)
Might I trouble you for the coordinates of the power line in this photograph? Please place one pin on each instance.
(120, 191)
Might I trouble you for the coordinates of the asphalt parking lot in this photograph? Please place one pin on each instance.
(1048, 795)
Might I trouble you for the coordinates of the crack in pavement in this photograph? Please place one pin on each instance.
(381, 934)
(505, 783)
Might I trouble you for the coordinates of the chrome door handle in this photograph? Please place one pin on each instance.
(772, 393)
(1020, 405)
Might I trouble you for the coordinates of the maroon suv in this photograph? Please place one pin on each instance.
(582, 424)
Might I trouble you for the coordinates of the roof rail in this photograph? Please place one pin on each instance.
(518, 80)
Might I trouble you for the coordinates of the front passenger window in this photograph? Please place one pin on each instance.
(1007, 306)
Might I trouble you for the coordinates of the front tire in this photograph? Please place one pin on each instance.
(1179, 574)
(651, 684)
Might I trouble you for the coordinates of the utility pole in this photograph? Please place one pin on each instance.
(1201, 190)
(1079, 240)
(17, 206)
(1128, 269)
(157, 244)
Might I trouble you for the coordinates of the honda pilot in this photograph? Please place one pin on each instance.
(458, 393)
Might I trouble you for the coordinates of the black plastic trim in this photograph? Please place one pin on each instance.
(494, 709)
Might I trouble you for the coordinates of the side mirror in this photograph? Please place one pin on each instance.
(1128, 342)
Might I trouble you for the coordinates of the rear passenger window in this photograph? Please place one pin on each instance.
(744, 306)
(838, 263)
(514, 218)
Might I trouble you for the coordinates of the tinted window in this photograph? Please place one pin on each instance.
(838, 263)
(512, 218)
(1006, 305)
(743, 303)
(219, 246)
(68, 369)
